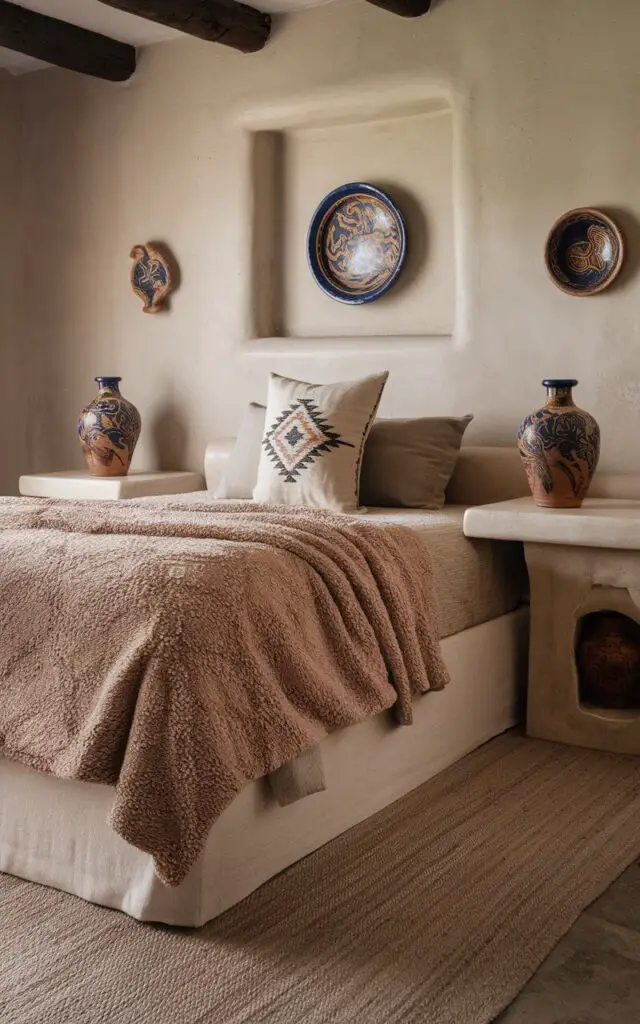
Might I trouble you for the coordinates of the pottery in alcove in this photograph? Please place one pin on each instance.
(608, 660)
(109, 428)
(560, 446)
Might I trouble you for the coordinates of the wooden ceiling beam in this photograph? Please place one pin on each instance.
(67, 46)
(405, 8)
(217, 21)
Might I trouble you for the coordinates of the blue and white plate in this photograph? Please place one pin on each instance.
(584, 252)
(356, 243)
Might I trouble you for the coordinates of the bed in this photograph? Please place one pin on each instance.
(54, 830)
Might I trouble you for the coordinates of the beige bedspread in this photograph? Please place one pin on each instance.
(178, 651)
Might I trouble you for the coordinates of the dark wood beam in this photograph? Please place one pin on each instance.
(217, 21)
(57, 42)
(405, 8)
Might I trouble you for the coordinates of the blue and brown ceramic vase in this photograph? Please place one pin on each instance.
(560, 446)
(109, 428)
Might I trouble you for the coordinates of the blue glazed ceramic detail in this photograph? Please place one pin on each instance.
(109, 428)
(560, 382)
(357, 243)
(584, 252)
(150, 277)
(560, 446)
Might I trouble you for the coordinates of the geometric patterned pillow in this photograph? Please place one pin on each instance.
(313, 441)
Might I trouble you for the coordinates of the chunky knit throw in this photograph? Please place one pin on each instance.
(179, 650)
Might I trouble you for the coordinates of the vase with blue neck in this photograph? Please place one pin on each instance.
(109, 428)
(560, 447)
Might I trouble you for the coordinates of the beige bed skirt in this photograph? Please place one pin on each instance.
(54, 831)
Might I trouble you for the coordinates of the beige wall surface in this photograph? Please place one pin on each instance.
(14, 429)
(545, 101)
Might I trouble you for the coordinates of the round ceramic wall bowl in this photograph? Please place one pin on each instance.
(356, 244)
(584, 252)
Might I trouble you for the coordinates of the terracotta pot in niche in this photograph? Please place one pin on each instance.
(608, 660)
(560, 447)
(109, 428)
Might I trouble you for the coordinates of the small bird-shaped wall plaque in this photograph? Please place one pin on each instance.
(150, 277)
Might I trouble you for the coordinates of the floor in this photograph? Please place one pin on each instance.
(593, 975)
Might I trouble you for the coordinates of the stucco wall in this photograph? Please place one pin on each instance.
(14, 417)
(546, 116)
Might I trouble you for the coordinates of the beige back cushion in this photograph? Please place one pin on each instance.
(483, 475)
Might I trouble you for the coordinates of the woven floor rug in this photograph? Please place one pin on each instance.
(435, 911)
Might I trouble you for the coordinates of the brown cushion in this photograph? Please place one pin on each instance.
(408, 463)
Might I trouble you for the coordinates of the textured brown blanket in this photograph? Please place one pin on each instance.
(178, 651)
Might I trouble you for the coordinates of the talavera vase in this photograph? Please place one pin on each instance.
(560, 446)
(109, 428)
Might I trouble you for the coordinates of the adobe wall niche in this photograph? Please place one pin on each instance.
(403, 147)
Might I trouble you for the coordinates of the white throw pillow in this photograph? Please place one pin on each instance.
(241, 472)
(313, 441)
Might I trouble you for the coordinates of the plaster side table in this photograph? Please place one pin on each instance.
(71, 484)
(580, 561)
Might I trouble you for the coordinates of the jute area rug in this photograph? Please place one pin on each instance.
(435, 911)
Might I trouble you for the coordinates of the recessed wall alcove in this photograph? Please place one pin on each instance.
(606, 648)
(401, 142)
(607, 652)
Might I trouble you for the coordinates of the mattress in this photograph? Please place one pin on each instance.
(476, 580)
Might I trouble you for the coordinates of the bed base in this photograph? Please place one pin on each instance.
(54, 831)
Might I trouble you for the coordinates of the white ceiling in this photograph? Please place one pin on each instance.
(127, 28)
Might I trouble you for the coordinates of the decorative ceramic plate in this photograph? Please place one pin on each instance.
(357, 243)
(584, 252)
(150, 277)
